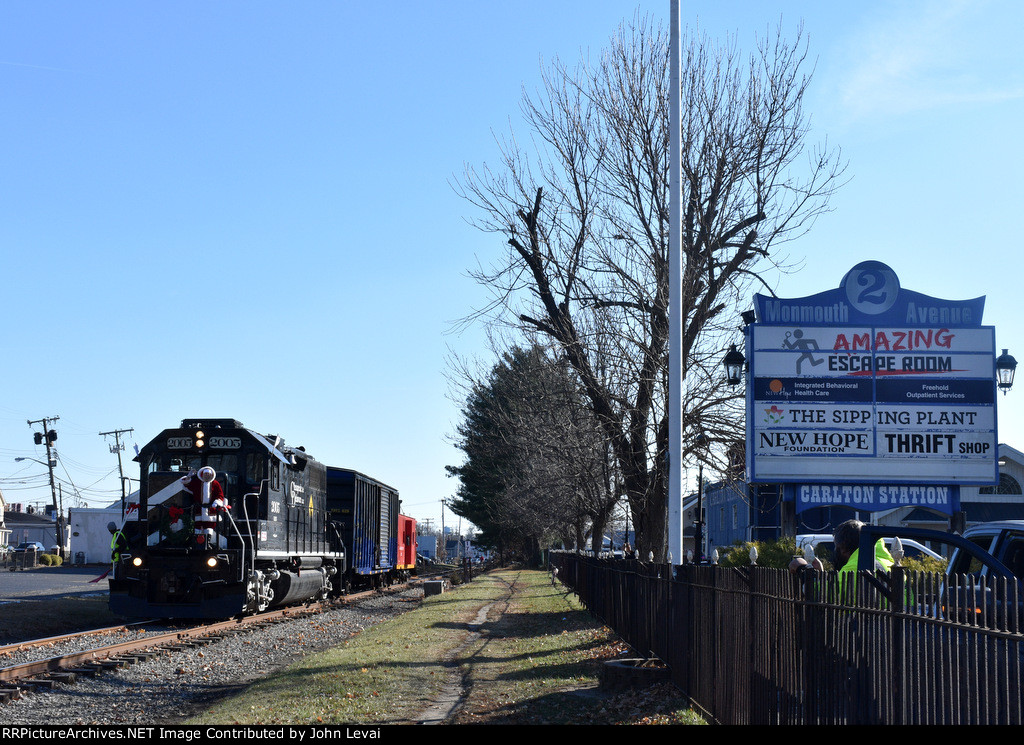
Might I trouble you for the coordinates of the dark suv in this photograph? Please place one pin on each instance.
(29, 546)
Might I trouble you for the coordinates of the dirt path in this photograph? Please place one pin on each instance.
(446, 705)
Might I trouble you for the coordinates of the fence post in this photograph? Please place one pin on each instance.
(899, 678)
(808, 702)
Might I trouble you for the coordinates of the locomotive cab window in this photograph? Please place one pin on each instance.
(255, 470)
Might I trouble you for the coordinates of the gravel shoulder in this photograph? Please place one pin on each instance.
(511, 647)
(170, 687)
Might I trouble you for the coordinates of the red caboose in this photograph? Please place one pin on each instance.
(406, 559)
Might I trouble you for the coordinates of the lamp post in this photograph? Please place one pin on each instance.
(1006, 366)
(699, 527)
(733, 362)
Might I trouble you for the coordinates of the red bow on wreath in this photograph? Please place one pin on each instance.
(175, 513)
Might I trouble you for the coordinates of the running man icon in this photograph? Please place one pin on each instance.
(805, 345)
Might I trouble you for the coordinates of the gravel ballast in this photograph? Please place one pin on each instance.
(171, 686)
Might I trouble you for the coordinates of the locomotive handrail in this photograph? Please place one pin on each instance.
(252, 543)
(241, 539)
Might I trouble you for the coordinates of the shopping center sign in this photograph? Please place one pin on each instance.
(871, 384)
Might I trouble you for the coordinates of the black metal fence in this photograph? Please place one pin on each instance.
(754, 645)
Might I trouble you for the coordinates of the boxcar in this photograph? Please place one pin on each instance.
(367, 511)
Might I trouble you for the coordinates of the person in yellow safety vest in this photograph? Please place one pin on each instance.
(846, 540)
(118, 543)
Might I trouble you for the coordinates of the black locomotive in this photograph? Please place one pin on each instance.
(229, 521)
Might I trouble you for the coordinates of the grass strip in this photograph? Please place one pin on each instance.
(539, 662)
(385, 674)
(535, 659)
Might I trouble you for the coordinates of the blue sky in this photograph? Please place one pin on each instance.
(245, 209)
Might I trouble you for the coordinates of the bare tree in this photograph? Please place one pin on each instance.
(585, 217)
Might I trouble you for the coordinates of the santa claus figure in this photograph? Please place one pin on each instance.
(208, 500)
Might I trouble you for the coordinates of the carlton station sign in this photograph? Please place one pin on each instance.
(871, 395)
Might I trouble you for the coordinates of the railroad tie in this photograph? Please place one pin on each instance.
(89, 672)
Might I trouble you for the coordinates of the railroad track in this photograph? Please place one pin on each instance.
(67, 668)
(6, 650)
(43, 673)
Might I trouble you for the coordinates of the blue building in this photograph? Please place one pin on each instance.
(735, 510)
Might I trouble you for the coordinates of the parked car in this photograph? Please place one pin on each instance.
(821, 544)
(29, 546)
(987, 549)
(1003, 539)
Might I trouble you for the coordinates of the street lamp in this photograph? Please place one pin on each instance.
(734, 361)
(1006, 365)
(699, 527)
(53, 462)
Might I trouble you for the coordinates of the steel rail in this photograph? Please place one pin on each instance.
(155, 642)
(8, 649)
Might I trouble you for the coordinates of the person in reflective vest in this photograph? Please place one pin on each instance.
(846, 540)
(118, 544)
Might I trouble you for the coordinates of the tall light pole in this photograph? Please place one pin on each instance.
(675, 302)
(48, 435)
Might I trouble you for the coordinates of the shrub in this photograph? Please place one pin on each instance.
(776, 554)
(50, 560)
(779, 553)
(925, 563)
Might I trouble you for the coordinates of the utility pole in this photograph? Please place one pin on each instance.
(48, 435)
(442, 552)
(117, 447)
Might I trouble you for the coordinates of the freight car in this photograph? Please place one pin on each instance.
(406, 556)
(229, 521)
(381, 541)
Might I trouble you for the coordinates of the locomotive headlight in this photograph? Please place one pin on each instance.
(136, 561)
(199, 438)
(211, 562)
